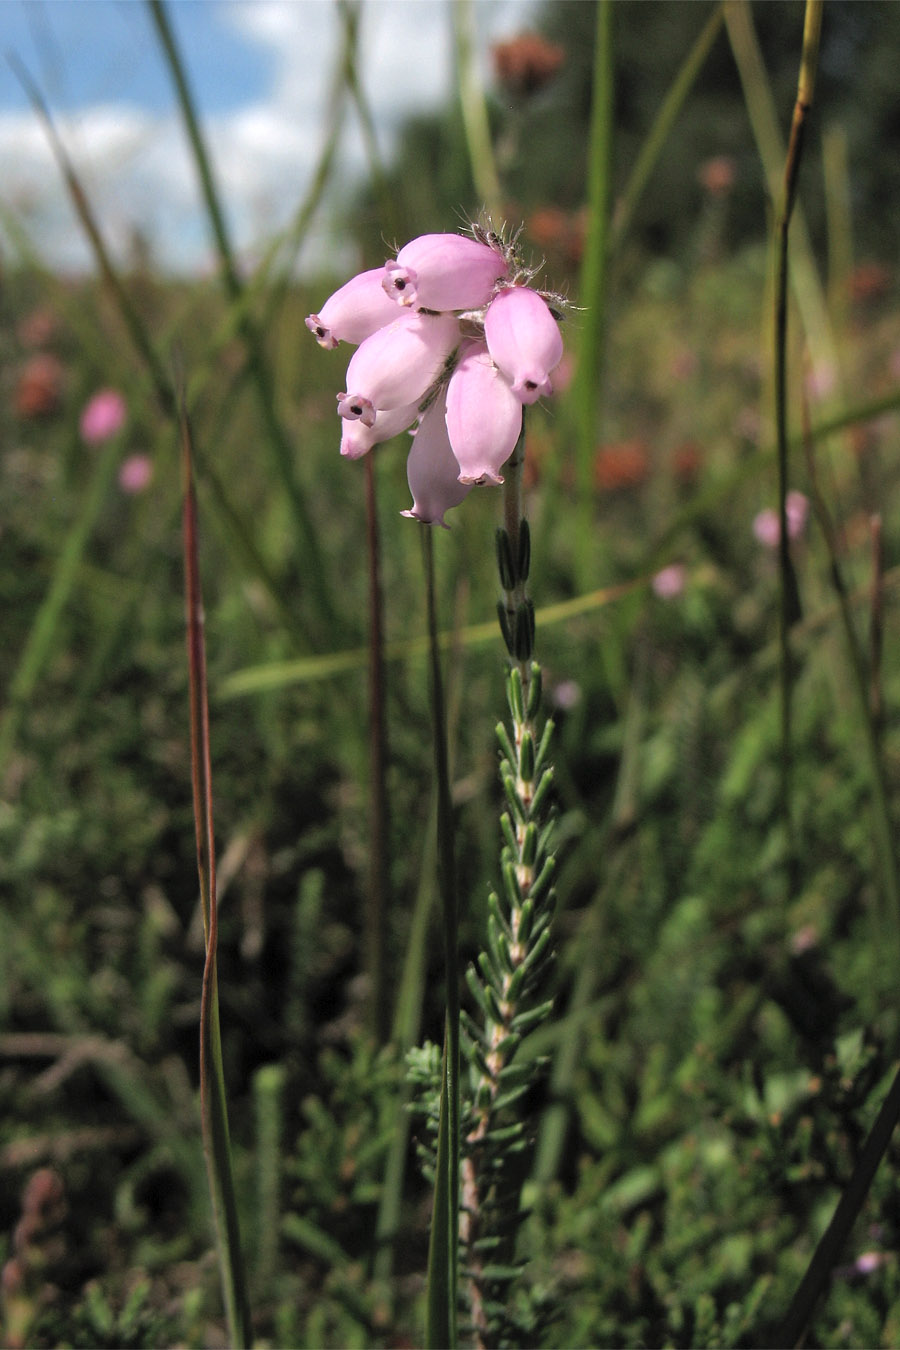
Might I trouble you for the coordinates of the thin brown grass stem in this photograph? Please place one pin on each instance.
(213, 1101)
(379, 819)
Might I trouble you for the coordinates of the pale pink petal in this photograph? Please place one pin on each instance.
(484, 417)
(431, 469)
(444, 271)
(357, 439)
(354, 312)
(398, 364)
(524, 340)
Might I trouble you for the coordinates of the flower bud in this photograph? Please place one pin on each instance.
(524, 341)
(354, 312)
(444, 271)
(431, 469)
(397, 364)
(484, 417)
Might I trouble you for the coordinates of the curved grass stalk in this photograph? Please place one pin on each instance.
(789, 608)
(592, 293)
(658, 134)
(213, 1097)
(805, 284)
(304, 669)
(313, 567)
(474, 111)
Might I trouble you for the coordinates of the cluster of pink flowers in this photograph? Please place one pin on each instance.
(767, 526)
(452, 338)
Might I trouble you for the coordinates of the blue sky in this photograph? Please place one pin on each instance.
(260, 70)
(85, 52)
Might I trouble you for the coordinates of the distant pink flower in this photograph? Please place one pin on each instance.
(102, 417)
(444, 271)
(566, 694)
(669, 582)
(524, 341)
(135, 473)
(766, 525)
(797, 510)
(354, 312)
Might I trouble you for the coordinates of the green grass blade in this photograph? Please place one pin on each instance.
(661, 129)
(45, 629)
(592, 294)
(314, 570)
(805, 284)
(474, 110)
(306, 669)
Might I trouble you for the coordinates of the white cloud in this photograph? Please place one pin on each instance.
(136, 164)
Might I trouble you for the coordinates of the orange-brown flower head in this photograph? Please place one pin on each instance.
(526, 63)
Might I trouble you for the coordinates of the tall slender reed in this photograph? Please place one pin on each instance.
(789, 608)
(592, 292)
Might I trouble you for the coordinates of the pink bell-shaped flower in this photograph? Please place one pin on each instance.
(357, 439)
(484, 416)
(444, 271)
(431, 469)
(354, 312)
(397, 364)
(524, 340)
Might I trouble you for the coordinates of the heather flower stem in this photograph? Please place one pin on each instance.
(443, 1251)
(376, 910)
(508, 974)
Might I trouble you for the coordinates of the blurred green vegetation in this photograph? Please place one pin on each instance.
(722, 1042)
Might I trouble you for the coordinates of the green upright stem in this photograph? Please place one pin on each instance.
(592, 290)
(789, 609)
(474, 110)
